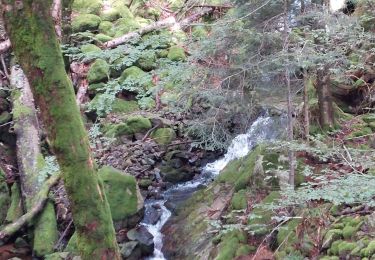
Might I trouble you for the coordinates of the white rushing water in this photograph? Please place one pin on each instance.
(265, 128)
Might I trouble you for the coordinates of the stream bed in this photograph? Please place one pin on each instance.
(264, 128)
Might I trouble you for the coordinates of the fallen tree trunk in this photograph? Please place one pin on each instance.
(31, 161)
(166, 23)
(38, 205)
(5, 46)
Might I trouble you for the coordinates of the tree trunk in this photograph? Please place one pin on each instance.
(31, 31)
(306, 116)
(31, 161)
(326, 117)
(289, 97)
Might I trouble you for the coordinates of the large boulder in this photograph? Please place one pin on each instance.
(85, 22)
(87, 6)
(140, 78)
(99, 71)
(124, 197)
(163, 136)
(176, 53)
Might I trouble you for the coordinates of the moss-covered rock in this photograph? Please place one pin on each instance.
(176, 53)
(368, 118)
(122, 193)
(239, 200)
(105, 27)
(135, 74)
(369, 250)
(258, 222)
(163, 136)
(132, 125)
(87, 6)
(230, 245)
(147, 61)
(99, 71)
(125, 25)
(85, 22)
(144, 183)
(5, 117)
(124, 106)
(102, 38)
(87, 48)
(199, 32)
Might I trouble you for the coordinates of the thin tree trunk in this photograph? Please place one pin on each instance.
(326, 115)
(289, 97)
(31, 30)
(306, 116)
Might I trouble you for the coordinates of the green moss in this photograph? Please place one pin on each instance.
(369, 250)
(364, 131)
(349, 230)
(45, 231)
(163, 136)
(85, 22)
(144, 183)
(124, 26)
(334, 249)
(4, 197)
(96, 88)
(15, 208)
(105, 27)
(124, 106)
(176, 53)
(87, 6)
(111, 15)
(137, 75)
(138, 123)
(287, 233)
(199, 32)
(102, 38)
(245, 250)
(99, 71)
(330, 236)
(368, 118)
(230, 243)
(162, 53)
(239, 172)
(258, 222)
(239, 200)
(87, 48)
(344, 248)
(5, 117)
(117, 130)
(121, 192)
(147, 61)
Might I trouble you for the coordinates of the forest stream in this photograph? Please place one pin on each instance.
(264, 128)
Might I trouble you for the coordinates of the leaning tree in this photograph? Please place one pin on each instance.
(31, 30)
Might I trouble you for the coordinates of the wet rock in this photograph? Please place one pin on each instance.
(141, 243)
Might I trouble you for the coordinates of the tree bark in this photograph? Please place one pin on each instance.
(326, 116)
(31, 161)
(289, 97)
(306, 116)
(31, 30)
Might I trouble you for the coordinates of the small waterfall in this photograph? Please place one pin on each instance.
(265, 128)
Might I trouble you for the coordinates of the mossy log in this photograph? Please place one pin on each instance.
(166, 23)
(38, 205)
(30, 158)
(31, 30)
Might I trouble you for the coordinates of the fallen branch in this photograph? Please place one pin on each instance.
(38, 205)
(166, 23)
(5, 46)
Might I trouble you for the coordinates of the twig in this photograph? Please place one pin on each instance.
(149, 132)
(63, 234)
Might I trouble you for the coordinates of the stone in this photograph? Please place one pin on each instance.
(85, 22)
(5, 117)
(89, 48)
(99, 71)
(87, 6)
(105, 27)
(124, 25)
(147, 61)
(122, 194)
(102, 38)
(163, 136)
(176, 53)
(134, 73)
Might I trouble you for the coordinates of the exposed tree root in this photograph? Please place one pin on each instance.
(37, 207)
